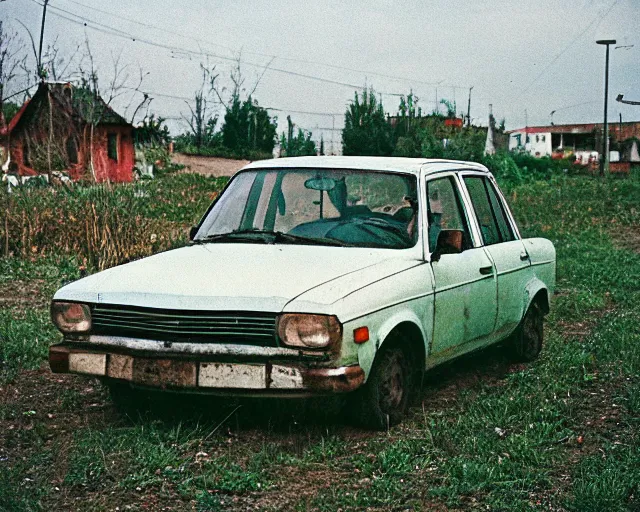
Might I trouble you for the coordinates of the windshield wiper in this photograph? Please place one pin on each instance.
(304, 240)
(245, 235)
(269, 237)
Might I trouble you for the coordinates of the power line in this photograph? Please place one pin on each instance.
(597, 19)
(576, 105)
(124, 35)
(304, 112)
(290, 59)
(19, 92)
(159, 94)
(277, 109)
(147, 25)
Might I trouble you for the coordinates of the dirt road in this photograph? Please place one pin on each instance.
(209, 166)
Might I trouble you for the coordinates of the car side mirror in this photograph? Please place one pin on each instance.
(450, 241)
(193, 232)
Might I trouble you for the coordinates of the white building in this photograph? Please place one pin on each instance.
(535, 141)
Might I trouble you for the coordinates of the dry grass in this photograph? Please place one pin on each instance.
(103, 225)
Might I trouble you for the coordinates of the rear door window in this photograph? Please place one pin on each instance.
(506, 231)
(494, 226)
(484, 212)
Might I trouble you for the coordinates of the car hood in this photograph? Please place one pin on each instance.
(237, 277)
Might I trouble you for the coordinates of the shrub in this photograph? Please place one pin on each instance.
(542, 168)
(503, 167)
(248, 127)
(223, 152)
(407, 146)
(366, 131)
(296, 145)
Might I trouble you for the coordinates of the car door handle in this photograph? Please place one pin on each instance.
(485, 271)
(524, 256)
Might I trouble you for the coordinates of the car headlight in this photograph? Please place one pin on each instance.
(309, 331)
(71, 317)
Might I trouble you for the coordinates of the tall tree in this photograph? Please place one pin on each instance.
(366, 130)
(247, 126)
(202, 122)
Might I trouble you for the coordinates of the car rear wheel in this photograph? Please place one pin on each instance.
(383, 400)
(527, 341)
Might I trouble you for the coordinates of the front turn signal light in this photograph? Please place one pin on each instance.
(361, 335)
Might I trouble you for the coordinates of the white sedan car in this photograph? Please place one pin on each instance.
(318, 275)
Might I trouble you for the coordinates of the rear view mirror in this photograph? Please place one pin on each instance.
(450, 241)
(322, 184)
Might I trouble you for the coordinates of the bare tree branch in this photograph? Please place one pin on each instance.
(10, 63)
(137, 89)
(260, 77)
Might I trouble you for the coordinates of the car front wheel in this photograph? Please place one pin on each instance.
(383, 400)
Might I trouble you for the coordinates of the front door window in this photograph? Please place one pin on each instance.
(444, 211)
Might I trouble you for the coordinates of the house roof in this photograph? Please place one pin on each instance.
(568, 128)
(85, 103)
(77, 101)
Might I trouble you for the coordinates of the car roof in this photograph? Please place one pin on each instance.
(367, 163)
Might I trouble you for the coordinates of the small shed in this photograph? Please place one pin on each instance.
(62, 127)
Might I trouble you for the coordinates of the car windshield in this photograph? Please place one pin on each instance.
(315, 206)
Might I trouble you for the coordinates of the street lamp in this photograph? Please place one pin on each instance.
(604, 163)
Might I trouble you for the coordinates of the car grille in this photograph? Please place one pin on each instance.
(254, 328)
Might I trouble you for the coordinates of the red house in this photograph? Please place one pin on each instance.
(61, 127)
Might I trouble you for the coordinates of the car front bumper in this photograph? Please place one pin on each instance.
(221, 369)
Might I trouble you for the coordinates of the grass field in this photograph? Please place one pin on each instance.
(562, 433)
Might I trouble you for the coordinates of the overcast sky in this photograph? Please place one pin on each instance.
(531, 57)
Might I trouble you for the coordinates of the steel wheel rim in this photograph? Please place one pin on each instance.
(392, 385)
(531, 334)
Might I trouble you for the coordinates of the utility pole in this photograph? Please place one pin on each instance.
(620, 130)
(44, 15)
(604, 164)
(469, 107)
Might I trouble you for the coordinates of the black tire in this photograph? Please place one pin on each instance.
(382, 402)
(526, 342)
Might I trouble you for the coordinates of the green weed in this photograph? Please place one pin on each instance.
(608, 480)
(24, 340)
